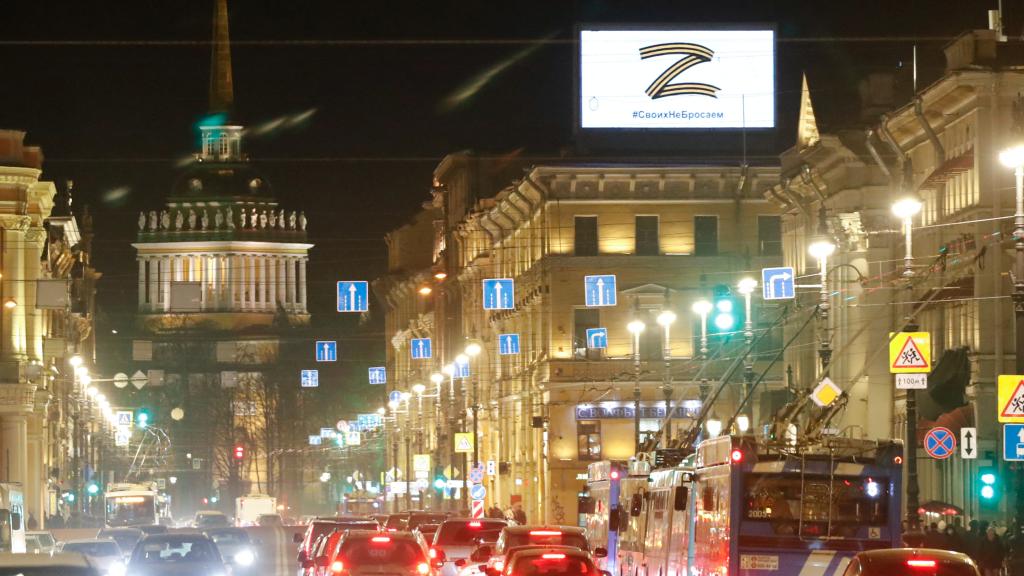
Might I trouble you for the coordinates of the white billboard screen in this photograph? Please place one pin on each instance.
(696, 79)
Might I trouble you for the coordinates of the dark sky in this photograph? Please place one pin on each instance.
(114, 117)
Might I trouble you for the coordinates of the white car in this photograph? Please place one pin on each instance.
(457, 538)
(105, 554)
(59, 564)
(40, 542)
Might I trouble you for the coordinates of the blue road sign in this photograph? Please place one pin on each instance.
(420, 348)
(395, 396)
(600, 290)
(378, 375)
(778, 283)
(477, 492)
(353, 296)
(940, 443)
(462, 370)
(326, 351)
(315, 440)
(309, 378)
(1013, 442)
(597, 338)
(508, 344)
(499, 294)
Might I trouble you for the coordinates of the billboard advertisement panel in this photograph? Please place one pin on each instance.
(677, 79)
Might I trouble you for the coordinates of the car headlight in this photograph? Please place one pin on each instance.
(245, 558)
(117, 569)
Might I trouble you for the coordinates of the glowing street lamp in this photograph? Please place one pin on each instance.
(905, 210)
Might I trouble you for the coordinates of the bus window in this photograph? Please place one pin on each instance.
(680, 497)
(709, 498)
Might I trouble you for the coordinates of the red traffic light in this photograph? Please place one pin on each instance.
(239, 452)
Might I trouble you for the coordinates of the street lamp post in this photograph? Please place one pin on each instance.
(1014, 158)
(636, 327)
(821, 249)
(449, 370)
(473, 350)
(746, 288)
(905, 209)
(702, 308)
(666, 319)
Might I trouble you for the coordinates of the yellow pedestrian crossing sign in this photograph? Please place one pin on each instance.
(1011, 399)
(910, 353)
(464, 442)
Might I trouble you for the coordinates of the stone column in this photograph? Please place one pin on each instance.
(302, 284)
(282, 290)
(229, 280)
(291, 283)
(14, 448)
(153, 282)
(18, 290)
(36, 486)
(240, 265)
(7, 280)
(204, 262)
(272, 281)
(33, 315)
(165, 281)
(252, 272)
(142, 284)
(262, 263)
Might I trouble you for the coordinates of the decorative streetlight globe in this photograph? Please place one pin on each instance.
(702, 307)
(75, 361)
(666, 318)
(473, 349)
(418, 388)
(636, 327)
(822, 247)
(177, 414)
(437, 377)
(714, 426)
(747, 286)
(906, 208)
(1012, 157)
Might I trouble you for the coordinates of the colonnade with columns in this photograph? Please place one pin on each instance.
(231, 282)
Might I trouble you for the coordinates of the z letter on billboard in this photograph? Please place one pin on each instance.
(670, 79)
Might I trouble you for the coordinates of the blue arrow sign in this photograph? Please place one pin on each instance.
(309, 378)
(395, 396)
(477, 492)
(498, 294)
(378, 375)
(778, 283)
(326, 351)
(597, 338)
(420, 349)
(462, 369)
(353, 296)
(600, 290)
(1013, 442)
(508, 344)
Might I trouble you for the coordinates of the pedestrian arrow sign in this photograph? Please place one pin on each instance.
(378, 375)
(420, 349)
(600, 290)
(508, 344)
(597, 338)
(969, 443)
(353, 296)
(778, 283)
(326, 351)
(1011, 399)
(910, 353)
(1013, 442)
(498, 294)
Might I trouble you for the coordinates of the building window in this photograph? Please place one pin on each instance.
(769, 235)
(705, 235)
(649, 430)
(584, 319)
(588, 439)
(647, 236)
(652, 342)
(586, 236)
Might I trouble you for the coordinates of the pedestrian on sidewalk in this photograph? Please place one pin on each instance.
(991, 554)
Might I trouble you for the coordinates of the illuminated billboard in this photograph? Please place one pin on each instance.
(677, 79)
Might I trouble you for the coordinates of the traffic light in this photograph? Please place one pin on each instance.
(142, 417)
(93, 488)
(239, 452)
(440, 482)
(988, 485)
(724, 311)
(69, 496)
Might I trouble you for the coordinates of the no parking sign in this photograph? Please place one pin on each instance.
(940, 443)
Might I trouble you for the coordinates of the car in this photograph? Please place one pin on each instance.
(235, 547)
(319, 558)
(395, 522)
(536, 535)
(175, 555)
(269, 520)
(457, 538)
(911, 562)
(561, 562)
(106, 554)
(39, 542)
(126, 538)
(210, 519)
(495, 564)
(366, 552)
(427, 531)
(58, 564)
(308, 540)
(153, 529)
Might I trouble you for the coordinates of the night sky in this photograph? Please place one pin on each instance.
(115, 117)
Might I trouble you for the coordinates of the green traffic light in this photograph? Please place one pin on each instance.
(988, 492)
(440, 483)
(93, 488)
(988, 478)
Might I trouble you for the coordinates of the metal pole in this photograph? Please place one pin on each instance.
(451, 429)
(476, 443)
(913, 489)
(705, 389)
(408, 467)
(748, 364)
(1018, 308)
(666, 354)
(636, 390)
(825, 344)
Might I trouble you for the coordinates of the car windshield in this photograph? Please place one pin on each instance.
(380, 550)
(126, 540)
(546, 538)
(229, 537)
(552, 564)
(467, 532)
(47, 571)
(108, 548)
(900, 566)
(174, 550)
(418, 519)
(42, 539)
(212, 520)
(395, 522)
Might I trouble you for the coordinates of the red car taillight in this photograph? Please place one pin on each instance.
(918, 563)
(553, 556)
(380, 539)
(337, 567)
(432, 552)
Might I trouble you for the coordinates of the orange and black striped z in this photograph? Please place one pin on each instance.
(693, 54)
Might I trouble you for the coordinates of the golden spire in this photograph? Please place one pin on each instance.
(222, 92)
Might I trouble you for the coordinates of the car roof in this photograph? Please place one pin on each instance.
(90, 541)
(224, 530)
(125, 530)
(38, 533)
(210, 512)
(173, 536)
(531, 528)
(482, 520)
(67, 559)
(897, 553)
